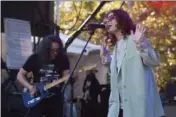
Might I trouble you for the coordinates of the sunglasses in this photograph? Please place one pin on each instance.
(55, 50)
(111, 16)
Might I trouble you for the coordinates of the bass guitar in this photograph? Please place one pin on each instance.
(31, 100)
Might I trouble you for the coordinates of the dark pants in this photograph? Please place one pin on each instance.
(50, 107)
(121, 113)
(89, 109)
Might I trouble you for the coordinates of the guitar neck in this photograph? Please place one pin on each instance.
(53, 84)
(65, 78)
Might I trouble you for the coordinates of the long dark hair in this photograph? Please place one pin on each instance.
(43, 49)
(124, 21)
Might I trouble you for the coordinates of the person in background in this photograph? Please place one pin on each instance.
(103, 106)
(133, 88)
(91, 90)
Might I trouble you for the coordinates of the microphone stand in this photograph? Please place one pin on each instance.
(77, 32)
(70, 40)
(72, 72)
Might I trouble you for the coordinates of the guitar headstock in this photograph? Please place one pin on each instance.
(87, 68)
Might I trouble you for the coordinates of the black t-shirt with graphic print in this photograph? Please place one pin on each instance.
(47, 73)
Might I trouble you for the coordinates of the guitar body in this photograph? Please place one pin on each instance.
(30, 101)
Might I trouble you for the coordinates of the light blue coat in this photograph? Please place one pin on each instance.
(141, 98)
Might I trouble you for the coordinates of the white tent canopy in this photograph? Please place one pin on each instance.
(77, 45)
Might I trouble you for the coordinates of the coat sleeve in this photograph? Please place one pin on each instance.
(149, 56)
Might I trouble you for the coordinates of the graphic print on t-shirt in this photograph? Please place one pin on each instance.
(48, 74)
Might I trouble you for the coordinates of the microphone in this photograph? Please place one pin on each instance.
(94, 26)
